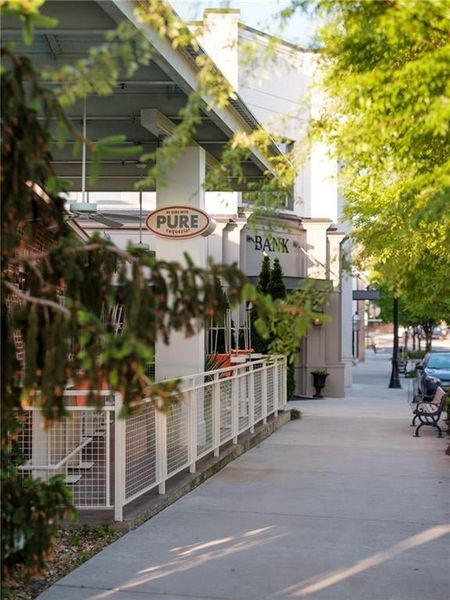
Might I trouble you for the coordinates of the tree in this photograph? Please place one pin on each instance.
(259, 342)
(264, 276)
(277, 290)
(415, 310)
(276, 287)
(386, 73)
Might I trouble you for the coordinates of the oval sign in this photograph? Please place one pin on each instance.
(180, 222)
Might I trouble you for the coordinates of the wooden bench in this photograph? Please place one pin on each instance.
(428, 412)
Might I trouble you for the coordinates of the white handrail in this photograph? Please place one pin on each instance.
(151, 446)
(269, 358)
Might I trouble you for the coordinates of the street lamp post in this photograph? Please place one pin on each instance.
(395, 378)
(355, 335)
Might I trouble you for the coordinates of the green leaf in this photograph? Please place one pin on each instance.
(44, 21)
(77, 148)
(112, 140)
(121, 151)
(28, 31)
(52, 186)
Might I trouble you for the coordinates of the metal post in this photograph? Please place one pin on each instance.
(264, 392)
(119, 459)
(108, 456)
(216, 415)
(192, 429)
(395, 379)
(235, 406)
(161, 449)
(276, 387)
(251, 398)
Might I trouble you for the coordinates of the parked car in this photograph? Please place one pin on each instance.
(440, 332)
(434, 371)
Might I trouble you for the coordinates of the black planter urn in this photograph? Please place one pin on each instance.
(319, 380)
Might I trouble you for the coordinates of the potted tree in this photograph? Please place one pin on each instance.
(319, 380)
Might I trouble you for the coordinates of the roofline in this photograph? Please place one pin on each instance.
(218, 10)
(237, 104)
(278, 40)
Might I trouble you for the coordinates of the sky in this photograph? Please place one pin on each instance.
(260, 14)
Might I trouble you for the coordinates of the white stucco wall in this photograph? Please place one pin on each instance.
(280, 90)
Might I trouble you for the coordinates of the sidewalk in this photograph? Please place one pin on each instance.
(343, 504)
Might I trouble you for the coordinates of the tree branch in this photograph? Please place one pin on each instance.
(86, 248)
(41, 301)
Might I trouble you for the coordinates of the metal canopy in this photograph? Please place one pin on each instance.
(163, 85)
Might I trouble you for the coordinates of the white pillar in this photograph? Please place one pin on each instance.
(183, 185)
(333, 330)
(231, 239)
(316, 247)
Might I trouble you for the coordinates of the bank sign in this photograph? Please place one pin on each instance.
(180, 222)
(283, 245)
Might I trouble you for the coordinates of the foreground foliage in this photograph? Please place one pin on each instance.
(387, 75)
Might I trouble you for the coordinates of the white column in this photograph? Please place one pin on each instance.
(231, 238)
(183, 185)
(312, 354)
(316, 247)
(333, 331)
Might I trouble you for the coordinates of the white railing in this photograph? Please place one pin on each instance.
(77, 447)
(109, 462)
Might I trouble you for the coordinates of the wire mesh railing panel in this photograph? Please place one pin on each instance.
(205, 423)
(244, 402)
(75, 447)
(270, 389)
(149, 370)
(257, 377)
(177, 437)
(140, 450)
(151, 446)
(22, 446)
(226, 410)
(87, 470)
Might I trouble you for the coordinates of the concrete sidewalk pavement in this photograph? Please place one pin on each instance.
(343, 504)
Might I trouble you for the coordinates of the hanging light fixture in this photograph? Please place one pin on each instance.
(141, 245)
(84, 207)
(86, 210)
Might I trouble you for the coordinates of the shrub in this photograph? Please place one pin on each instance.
(290, 383)
(31, 509)
(295, 414)
(411, 354)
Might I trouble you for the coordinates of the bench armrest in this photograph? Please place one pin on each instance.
(428, 408)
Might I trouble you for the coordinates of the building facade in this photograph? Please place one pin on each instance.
(309, 235)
